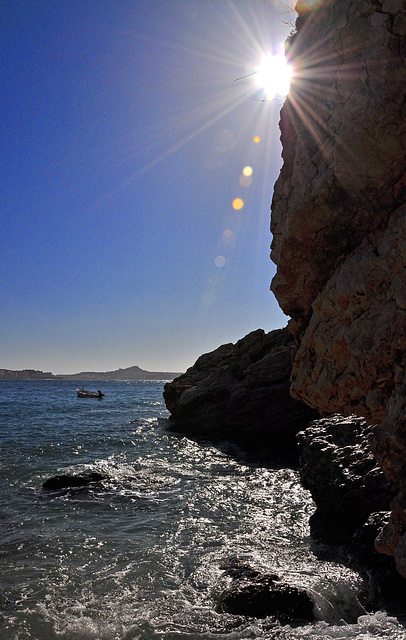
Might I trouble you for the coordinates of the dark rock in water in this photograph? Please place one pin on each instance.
(71, 481)
(260, 595)
(364, 537)
(388, 583)
(240, 393)
(339, 470)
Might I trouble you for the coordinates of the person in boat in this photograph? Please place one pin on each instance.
(99, 393)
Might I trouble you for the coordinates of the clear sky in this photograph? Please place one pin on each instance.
(124, 135)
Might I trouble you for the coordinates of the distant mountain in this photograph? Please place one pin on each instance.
(131, 373)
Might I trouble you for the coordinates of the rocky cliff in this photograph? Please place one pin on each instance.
(339, 225)
(240, 393)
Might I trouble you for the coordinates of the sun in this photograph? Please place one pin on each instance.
(273, 76)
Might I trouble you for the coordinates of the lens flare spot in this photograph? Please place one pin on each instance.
(220, 261)
(238, 204)
(224, 141)
(307, 5)
(247, 171)
(228, 236)
(245, 181)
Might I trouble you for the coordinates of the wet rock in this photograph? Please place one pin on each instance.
(57, 483)
(338, 468)
(240, 392)
(388, 584)
(364, 537)
(259, 595)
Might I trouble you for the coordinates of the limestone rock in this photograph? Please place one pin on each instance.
(352, 355)
(339, 225)
(240, 393)
(343, 136)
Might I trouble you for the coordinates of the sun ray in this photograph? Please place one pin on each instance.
(182, 127)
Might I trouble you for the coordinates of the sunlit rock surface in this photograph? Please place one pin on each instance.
(240, 392)
(343, 134)
(338, 224)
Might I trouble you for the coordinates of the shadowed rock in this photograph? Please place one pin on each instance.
(58, 483)
(390, 587)
(255, 594)
(339, 470)
(240, 393)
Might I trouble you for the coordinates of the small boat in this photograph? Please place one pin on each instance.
(82, 393)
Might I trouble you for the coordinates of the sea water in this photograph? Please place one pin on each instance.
(139, 555)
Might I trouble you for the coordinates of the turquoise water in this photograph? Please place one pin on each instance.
(139, 556)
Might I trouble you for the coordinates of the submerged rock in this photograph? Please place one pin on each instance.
(58, 483)
(259, 595)
(240, 392)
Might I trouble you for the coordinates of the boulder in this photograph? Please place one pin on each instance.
(240, 393)
(58, 483)
(259, 595)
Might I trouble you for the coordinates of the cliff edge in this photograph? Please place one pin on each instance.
(339, 225)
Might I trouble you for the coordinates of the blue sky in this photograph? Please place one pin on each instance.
(124, 136)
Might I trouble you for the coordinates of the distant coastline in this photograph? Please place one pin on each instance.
(131, 373)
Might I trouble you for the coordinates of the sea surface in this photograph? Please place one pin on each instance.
(139, 556)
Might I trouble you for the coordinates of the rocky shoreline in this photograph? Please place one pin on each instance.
(213, 400)
(339, 235)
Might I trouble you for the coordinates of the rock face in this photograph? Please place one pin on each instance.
(240, 392)
(339, 224)
(343, 136)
